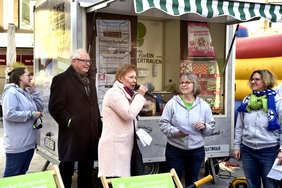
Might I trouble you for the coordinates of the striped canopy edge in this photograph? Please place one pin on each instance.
(242, 11)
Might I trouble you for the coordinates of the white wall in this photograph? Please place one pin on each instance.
(151, 52)
(23, 40)
(171, 53)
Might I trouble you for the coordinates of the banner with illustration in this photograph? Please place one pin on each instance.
(202, 62)
(199, 40)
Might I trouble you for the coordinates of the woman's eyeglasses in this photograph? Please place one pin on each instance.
(186, 83)
(255, 79)
(26, 75)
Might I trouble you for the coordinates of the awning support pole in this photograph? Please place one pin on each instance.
(229, 52)
(93, 34)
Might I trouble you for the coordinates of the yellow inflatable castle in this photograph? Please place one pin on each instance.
(254, 53)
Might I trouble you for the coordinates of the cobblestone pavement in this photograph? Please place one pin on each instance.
(226, 173)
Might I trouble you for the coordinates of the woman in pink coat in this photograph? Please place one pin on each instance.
(120, 107)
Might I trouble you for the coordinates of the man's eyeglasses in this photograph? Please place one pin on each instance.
(186, 83)
(85, 61)
(26, 75)
(255, 79)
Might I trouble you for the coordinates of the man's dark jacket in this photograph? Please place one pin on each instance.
(69, 100)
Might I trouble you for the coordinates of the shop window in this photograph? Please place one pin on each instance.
(26, 14)
(198, 56)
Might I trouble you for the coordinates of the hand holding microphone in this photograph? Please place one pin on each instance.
(137, 87)
(141, 89)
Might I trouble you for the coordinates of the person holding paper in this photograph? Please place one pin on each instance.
(20, 110)
(258, 132)
(186, 120)
(120, 107)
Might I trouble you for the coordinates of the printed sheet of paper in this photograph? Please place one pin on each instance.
(276, 171)
(185, 130)
(144, 137)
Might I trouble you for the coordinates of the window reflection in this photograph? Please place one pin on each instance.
(26, 14)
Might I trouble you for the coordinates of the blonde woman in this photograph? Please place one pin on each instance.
(258, 131)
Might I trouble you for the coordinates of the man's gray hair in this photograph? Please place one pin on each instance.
(76, 54)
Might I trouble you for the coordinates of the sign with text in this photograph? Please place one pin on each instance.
(150, 52)
(3, 59)
(63, 64)
(147, 181)
(34, 180)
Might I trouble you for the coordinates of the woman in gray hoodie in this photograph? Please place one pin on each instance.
(20, 109)
(258, 134)
(186, 120)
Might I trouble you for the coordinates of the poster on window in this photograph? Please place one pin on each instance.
(113, 49)
(202, 62)
(199, 40)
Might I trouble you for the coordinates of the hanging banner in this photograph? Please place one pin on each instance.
(202, 62)
(199, 40)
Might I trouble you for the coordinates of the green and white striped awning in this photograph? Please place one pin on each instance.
(242, 11)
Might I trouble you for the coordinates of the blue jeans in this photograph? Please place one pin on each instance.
(180, 159)
(257, 164)
(17, 163)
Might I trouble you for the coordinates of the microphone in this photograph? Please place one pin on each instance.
(147, 93)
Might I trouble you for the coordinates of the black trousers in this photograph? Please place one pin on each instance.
(84, 176)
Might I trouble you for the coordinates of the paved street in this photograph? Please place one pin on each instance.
(226, 174)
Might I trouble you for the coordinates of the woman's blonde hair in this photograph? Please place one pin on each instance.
(125, 68)
(268, 77)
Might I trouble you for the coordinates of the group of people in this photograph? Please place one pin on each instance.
(186, 121)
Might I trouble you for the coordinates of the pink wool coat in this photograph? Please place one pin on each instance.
(116, 143)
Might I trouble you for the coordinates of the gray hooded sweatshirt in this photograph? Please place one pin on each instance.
(251, 128)
(19, 109)
(176, 115)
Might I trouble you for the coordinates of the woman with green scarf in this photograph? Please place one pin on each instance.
(258, 135)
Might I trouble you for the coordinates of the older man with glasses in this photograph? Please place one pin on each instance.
(73, 105)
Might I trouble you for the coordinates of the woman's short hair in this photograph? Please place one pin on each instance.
(124, 69)
(14, 75)
(268, 77)
(193, 78)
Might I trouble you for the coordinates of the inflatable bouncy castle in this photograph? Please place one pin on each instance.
(254, 53)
